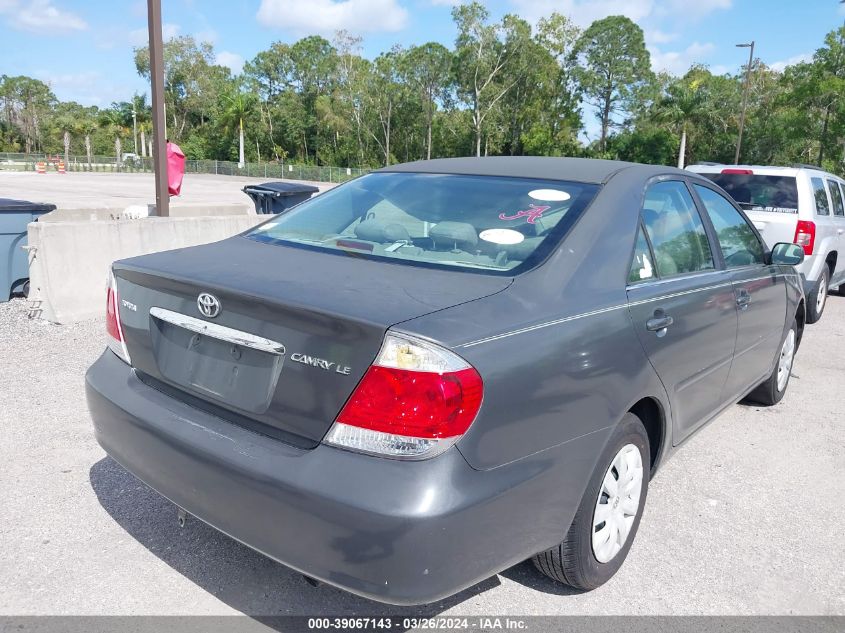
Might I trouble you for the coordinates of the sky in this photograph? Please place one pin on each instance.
(83, 48)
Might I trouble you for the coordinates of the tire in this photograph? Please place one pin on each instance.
(26, 289)
(574, 562)
(772, 390)
(818, 297)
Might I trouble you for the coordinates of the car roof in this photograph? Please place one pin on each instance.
(542, 167)
(762, 170)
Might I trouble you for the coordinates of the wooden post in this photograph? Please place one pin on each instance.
(157, 85)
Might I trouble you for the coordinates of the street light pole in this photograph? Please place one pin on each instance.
(744, 97)
(157, 85)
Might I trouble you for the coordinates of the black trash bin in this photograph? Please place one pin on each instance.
(275, 197)
(14, 262)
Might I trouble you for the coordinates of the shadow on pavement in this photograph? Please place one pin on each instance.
(233, 573)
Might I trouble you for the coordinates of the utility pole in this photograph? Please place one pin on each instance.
(157, 85)
(744, 97)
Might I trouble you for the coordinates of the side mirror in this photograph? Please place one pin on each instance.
(787, 254)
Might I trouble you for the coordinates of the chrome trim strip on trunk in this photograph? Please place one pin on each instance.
(220, 332)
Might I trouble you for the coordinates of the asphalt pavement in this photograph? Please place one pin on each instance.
(748, 518)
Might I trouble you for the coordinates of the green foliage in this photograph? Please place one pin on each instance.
(504, 88)
(615, 65)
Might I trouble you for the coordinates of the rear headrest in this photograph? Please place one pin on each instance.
(377, 231)
(450, 235)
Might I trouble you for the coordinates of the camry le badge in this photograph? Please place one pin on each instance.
(208, 305)
(322, 363)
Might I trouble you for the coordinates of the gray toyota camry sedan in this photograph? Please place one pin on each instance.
(426, 375)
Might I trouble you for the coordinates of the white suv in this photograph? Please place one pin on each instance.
(800, 204)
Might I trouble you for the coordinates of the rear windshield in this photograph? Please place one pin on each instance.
(777, 194)
(483, 223)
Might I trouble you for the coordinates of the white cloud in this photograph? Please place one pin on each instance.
(693, 9)
(86, 87)
(232, 61)
(206, 35)
(328, 16)
(679, 62)
(41, 17)
(795, 59)
(447, 3)
(656, 36)
(585, 12)
(141, 37)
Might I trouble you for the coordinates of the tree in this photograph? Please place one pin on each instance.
(237, 105)
(87, 126)
(684, 102)
(614, 64)
(480, 58)
(113, 121)
(427, 69)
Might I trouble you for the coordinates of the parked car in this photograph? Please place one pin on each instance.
(800, 204)
(440, 369)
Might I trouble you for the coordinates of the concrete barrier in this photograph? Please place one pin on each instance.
(133, 212)
(69, 261)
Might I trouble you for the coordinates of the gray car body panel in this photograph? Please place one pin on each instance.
(562, 350)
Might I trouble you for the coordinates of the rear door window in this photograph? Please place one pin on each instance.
(675, 230)
(740, 245)
(777, 194)
(820, 195)
(836, 198)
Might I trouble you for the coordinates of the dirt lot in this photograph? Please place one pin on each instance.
(747, 519)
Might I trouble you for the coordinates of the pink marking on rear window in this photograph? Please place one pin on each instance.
(532, 213)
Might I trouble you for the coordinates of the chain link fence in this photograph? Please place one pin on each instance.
(27, 162)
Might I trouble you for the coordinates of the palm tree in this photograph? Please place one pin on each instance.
(67, 124)
(237, 105)
(87, 126)
(682, 105)
(113, 121)
(142, 116)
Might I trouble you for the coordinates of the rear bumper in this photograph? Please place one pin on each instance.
(393, 531)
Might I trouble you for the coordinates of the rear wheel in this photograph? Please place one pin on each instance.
(818, 298)
(609, 514)
(773, 389)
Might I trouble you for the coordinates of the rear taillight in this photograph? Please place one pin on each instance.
(113, 326)
(414, 402)
(805, 235)
(741, 172)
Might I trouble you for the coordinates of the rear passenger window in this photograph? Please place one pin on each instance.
(641, 266)
(740, 245)
(836, 198)
(675, 230)
(819, 193)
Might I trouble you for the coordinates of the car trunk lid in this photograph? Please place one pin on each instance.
(295, 332)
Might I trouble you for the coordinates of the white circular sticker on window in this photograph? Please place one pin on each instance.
(501, 236)
(549, 195)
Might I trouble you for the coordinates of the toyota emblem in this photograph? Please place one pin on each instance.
(208, 305)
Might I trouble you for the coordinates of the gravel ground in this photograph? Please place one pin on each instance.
(746, 519)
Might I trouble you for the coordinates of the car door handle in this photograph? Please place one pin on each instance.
(743, 299)
(659, 323)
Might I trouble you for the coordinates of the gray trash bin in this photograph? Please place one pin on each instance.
(14, 260)
(275, 197)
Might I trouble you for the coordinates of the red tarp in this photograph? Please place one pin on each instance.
(175, 168)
